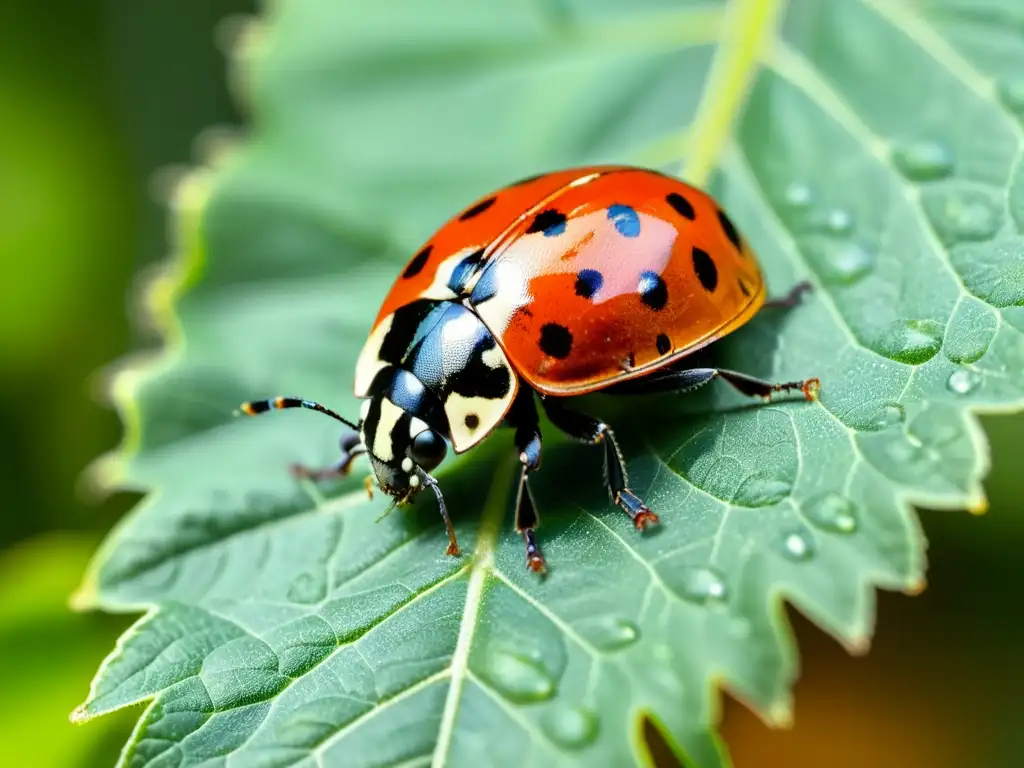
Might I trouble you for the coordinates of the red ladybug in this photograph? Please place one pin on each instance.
(597, 278)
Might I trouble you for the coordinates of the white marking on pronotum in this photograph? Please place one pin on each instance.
(414, 481)
(494, 357)
(488, 412)
(369, 361)
(416, 425)
(389, 416)
(407, 464)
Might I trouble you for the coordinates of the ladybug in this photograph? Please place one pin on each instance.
(595, 278)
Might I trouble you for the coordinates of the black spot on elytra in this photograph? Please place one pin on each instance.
(653, 291)
(464, 270)
(417, 263)
(472, 421)
(588, 282)
(555, 340)
(705, 269)
(730, 229)
(550, 222)
(663, 343)
(477, 209)
(681, 205)
(744, 288)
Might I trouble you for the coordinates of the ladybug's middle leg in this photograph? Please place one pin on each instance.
(590, 430)
(523, 417)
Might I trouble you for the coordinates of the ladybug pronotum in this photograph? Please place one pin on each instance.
(598, 278)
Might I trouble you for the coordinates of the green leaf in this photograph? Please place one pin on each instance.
(872, 147)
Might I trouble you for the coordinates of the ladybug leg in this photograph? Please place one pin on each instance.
(590, 430)
(791, 299)
(691, 378)
(523, 417)
(526, 523)
(351, 448)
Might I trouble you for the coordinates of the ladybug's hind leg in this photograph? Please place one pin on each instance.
(523, 417)
(590, 430)
(691, 378)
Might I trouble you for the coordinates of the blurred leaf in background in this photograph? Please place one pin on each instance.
(96, 96)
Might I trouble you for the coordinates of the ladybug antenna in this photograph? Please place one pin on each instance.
(261, 406)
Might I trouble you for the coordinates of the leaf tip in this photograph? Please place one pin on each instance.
(84, 598)
(978, 506)
(780, 714)
(80, 715)
(916, 586)
(859, 645)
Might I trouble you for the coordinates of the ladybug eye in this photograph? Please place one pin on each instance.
(428, 449)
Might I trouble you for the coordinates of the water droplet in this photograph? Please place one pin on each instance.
(911, 341)
(307, 588)
(762, 490)
(610, 633)
(1011, 94)
(798, 544)
(839, 222)
(874, 416)
(839, 262)
(696, 584)
(517, 678)
(964, 214)
(923, 160)
(963, 381)
(798, 196)
(571, 728)
(832, 512)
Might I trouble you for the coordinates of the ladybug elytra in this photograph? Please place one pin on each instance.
(596, 278)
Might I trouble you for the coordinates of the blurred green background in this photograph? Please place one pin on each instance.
(98, 100)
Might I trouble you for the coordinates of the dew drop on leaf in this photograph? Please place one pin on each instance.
(963, 381)
(571, 727)
(874, 416)
(832, 512)
(798, 196)
(611, 633)
(911, 341)
(517, 678)
(839, 262)
(839, 222)
(963, 215)
(923, 160)
(762, 490)
(306, 588)
(797, 544)
(696, 584)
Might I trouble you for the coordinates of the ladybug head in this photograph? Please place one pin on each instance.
(402, 448)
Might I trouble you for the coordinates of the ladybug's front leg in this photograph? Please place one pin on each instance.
(596, 432)
(523, 417)
(351, 448)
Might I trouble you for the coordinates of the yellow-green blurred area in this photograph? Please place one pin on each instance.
(98, 96)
